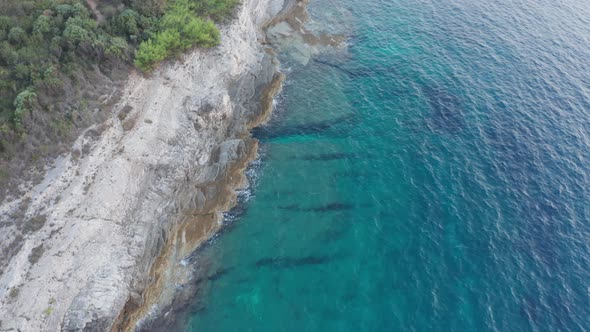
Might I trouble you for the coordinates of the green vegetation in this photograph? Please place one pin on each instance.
(47, 46)
(47, 312)
(40, 42)
(181, 28)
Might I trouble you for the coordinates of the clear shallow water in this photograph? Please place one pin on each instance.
(436, 178)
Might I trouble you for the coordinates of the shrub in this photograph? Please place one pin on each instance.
(180, 30)
(24, 102)
(75, 34)
(50, 78)
(216, 9)
(64, 10)
(149, 7)
(17, 35)
(79, 10)
(127, 22)
(117, 48)
(202, 33)
(21, 71)
(5, 22)
(42, 25)
(148, 54)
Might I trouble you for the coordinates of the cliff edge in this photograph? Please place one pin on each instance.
(139, 189)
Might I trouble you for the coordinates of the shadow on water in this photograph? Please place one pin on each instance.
(334, 156)
(330, 207)
(446, 110)
(219, 274)
(326, 156)
(292, 262)
(271, 132)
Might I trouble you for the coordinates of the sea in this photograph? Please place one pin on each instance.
(433, 175)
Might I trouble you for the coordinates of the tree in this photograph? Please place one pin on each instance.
(64, 10)
(75, 34)
(148, 54)
(79, 10)
(126, 22)
(117, 48)
(78, 30)
(24, 102)
(149, 7)
(17, 35)
(42, 25)
(201, 33)
(180, 29)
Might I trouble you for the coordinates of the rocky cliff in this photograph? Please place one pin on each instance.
(113, 219)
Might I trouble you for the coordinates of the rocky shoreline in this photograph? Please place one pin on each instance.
(142, 190)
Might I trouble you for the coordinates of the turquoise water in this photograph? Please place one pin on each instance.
(435, 178)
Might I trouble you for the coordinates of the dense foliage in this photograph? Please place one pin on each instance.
(180, 29)
(43, 42)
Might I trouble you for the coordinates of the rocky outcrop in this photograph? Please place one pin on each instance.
(142, 190)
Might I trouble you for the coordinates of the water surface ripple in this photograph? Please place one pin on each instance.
(436, 178)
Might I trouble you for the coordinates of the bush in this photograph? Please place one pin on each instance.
(216, 9)
(23, 102)
(149, 7)
(42, 25)
(64, 10)
(5, 23)
(148, 54)
(202, 33)
(17, 35)
(127, 22)
(50, 78)
(78, 30)
(117, 48)
(180, 29)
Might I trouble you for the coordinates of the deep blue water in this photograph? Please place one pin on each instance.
(433, 178)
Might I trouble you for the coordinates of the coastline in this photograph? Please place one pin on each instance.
(286, 33)
(196, 227)
(113, 236)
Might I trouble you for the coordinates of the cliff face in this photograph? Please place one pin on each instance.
(140, 191)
